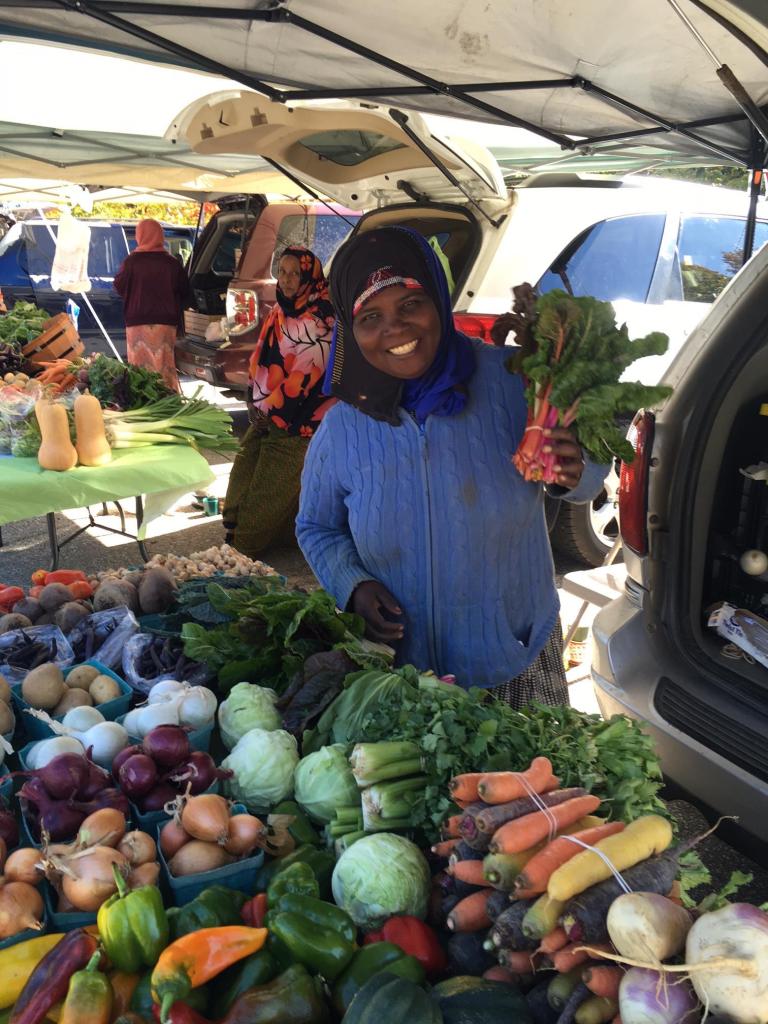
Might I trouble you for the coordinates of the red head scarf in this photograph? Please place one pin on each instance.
(149, 236)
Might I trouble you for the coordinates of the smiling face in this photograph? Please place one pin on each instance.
(289, 276)
(398, 331)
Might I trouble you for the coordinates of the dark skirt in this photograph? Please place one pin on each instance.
(543, 682)
(262, 499)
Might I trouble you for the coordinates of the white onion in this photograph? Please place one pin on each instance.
(131, 724)
(754, 562)
(82, 718)
(166, 689)
(151, 715)
(45, 750)
(198, 707)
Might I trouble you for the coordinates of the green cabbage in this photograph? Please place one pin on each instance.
(263, 763)
(324, 781)
(381, 876)
(247, 707)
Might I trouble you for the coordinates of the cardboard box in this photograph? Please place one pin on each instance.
(197, 323)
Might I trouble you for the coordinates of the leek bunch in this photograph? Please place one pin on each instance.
(172, 420)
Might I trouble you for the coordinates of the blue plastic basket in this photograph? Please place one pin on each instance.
(37, 730)
(65, 920)
(6, 788)
(240, 875)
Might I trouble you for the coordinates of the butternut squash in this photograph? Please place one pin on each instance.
(56, 451)
(92, 445)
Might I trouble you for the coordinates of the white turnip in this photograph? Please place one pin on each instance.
(647, 926)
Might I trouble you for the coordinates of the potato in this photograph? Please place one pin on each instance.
(7, 719)
(73, 698)
(156, 591)
(14, 621)
(53, 596)
(43, 687)
(5, 690)
(81, 677)
(102, 689)
(68, 616)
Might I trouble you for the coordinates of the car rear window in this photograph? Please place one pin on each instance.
(710, 252)
(323, 233)
(614, 259)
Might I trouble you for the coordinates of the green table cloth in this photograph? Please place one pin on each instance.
(163, 473)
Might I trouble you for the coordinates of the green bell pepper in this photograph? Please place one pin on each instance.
(321, 950)
(214, 907)
(257, 969)
(322, 863)
(327, 915)
(133, 926)
(292, 998)
(371, 960)
(298, 878)
(301, 828)
(142, 1002)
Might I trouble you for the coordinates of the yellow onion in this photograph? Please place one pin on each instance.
(105, 827)
(24, 865)
(21, 907)
(206, 817)
(196, 857)
(137, 848)
(144, 874)
(86, 877)
(172, 838)
(245, 834)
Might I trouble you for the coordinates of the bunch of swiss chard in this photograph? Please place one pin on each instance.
(122, 386)
(572, 355)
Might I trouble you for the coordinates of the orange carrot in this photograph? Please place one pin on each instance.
(552, 942)
(470, 914)
(522, 833)
(450, 827)
(501, 787)
(464, 787)
(469, 871)
(575, 954)
(603, 980)
(518, 963)
(532, 880)
(443, 849)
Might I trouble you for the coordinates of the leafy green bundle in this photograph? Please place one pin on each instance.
(272, 633)
(575, 357)
(468, 731)
(123, 386)
(23, 322)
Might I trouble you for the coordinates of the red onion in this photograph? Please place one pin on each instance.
(97, 780)
(64, 775)
(157, 798)
(167, 745)
(59, 818)
(109, 797)
(123, 756)
(137, 775)
(199, 770)
(9, 829)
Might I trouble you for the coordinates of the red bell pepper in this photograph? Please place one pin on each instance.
(414, 938)
(65, 576)
(255, 910)
(10, 595)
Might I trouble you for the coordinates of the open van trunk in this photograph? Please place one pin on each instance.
(218, 250)
(704, 514)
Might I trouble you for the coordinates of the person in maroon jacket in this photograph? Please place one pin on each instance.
(155, 290)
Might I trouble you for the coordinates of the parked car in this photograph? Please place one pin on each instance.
(233, 273)
(688, 515)
(659, 250)
(26, 258)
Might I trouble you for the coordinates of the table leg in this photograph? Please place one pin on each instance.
(139, 519)
(53, 540)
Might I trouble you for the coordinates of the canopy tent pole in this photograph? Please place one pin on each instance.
(82, 295)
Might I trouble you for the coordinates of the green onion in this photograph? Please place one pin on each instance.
(377, 762)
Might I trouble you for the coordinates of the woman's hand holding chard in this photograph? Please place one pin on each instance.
(570, 460)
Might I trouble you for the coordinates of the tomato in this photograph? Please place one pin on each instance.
(81, 590)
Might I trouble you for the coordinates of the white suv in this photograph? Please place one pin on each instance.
(661, 251)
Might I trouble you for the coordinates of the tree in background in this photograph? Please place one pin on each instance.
(169, 213)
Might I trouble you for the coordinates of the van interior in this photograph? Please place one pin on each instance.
(217, 253)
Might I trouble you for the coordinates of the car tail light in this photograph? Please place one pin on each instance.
(242, 310)
(476, 325)
(633, 485)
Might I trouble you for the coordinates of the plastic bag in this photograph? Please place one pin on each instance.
(61, 654)
(134, 660)
(17, 411)
(103, 636)
(69, 272)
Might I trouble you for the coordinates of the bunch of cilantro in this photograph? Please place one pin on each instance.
(271, 633)
(468, 731)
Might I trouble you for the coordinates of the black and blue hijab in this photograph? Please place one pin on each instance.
(364, 264)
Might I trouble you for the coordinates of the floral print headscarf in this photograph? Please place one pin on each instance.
(288, 365)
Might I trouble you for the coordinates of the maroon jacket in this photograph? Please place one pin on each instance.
(155, 289)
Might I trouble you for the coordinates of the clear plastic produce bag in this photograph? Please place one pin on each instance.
(103, 636)
(18, 643)
(135, 657)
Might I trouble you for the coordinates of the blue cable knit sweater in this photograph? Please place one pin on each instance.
(442, 518)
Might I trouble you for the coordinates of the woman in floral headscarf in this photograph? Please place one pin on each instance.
(286, 404)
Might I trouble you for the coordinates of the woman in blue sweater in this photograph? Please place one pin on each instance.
(412, 514)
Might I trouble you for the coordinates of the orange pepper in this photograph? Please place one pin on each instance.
(194, 959)
(123, 986)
